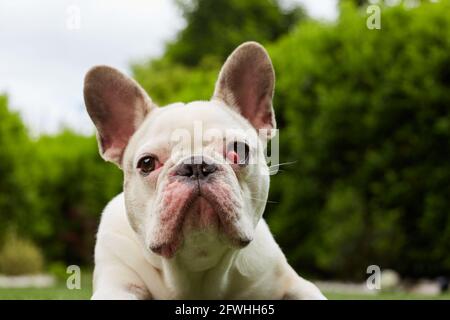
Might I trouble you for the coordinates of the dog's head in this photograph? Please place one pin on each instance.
(190, 168)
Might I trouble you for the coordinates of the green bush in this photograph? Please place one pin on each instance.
(366, 115)
(215, 26)
(19, 201)
(19, 256)
(53, 189)
(74, 188)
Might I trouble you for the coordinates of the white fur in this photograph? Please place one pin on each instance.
(259, 271)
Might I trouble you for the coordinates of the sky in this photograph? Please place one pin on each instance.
(46, 49)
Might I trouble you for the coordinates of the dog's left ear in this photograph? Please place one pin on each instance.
(117, 105)
(246, 83)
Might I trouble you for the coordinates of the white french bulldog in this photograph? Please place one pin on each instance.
(189, 223)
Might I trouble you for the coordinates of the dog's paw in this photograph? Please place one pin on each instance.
(140, 292)
(113, 295)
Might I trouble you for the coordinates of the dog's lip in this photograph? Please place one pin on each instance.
(201, 190)
(227, 218)
(168, 248)
(206, 192)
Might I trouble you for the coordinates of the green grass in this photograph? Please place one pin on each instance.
(385, 296)
(57, 293)
(60, 292)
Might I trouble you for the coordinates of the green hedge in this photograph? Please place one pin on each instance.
(18, 184)
(74, 186)
(366, 115)
(52, 189)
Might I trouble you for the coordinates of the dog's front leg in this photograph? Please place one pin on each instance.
(118, 282)
(116, 255)
(298, 288)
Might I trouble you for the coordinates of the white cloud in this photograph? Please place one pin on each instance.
(321, 9)
(43, 62)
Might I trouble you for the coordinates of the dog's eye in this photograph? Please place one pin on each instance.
(238, 153)
(146, 165)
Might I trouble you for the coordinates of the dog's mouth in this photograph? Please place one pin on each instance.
(204, 206)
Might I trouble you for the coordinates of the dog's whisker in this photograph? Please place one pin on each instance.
(283, 164)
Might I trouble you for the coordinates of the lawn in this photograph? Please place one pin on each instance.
(58, 292)
(385, 296)
(61, 292)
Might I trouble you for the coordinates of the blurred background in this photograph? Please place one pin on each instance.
(363, 115)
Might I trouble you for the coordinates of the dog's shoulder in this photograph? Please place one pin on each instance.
(114, 218)
(115, 234)
(262, 254)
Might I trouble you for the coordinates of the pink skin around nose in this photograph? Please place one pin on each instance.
(177, 199)
(201, 215)
(196, 205)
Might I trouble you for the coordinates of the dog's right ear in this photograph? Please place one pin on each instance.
(117, 105)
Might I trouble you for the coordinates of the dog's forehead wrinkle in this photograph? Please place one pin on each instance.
(161, 131)
(210, 114)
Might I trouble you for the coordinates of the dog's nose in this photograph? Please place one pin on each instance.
(196, 167)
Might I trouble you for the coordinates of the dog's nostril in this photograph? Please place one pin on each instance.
(196, 167)
(208, 168)
(156, 248)
(185, 170)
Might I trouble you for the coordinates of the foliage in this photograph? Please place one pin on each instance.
(53, 189)
(74, 187)
(166, 82)
(214, 27)
(19, 256)
(366, 115)
(365, 3)
(18, 189)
